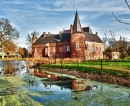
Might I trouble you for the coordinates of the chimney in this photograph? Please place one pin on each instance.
(120, 38)
(44, 34)
(96, 33)
(71, 28)
(48, 33)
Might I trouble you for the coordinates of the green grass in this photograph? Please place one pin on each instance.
(116, 67)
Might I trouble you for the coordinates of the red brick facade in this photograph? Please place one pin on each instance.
(77, 42)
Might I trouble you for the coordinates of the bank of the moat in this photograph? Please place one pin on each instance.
(102, 77)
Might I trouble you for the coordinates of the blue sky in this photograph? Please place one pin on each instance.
(54, 15)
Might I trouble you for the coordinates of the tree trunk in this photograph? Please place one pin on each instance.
(3, 52)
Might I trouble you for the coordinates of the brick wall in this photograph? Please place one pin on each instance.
(53, 50)
(74, 39)
(87, 50)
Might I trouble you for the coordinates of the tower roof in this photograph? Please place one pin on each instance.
(77, 25)
(34, 36)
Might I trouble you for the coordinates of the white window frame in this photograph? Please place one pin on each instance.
(49, 51)
(77, 45)
(68, 48)
(47, 44)
(36, 49)
(46, 49)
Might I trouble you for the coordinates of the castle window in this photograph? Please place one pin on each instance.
(47, 44)
(77, 45)
(94, 48)
(68, 48)
(35, 49)
(54, 49)
(100, 48)
(89, 47)
(46, 49)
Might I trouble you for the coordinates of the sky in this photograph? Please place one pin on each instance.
(55, 15)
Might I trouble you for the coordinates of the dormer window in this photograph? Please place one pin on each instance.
(77, 45)
(47, 44)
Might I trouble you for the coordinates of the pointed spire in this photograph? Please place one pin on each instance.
(77, 25)
(34, 35)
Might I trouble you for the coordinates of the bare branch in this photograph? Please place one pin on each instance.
(119, 20)
(127, 4)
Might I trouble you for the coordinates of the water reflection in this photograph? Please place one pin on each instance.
(9, 67)
(48, 78)
(63, 81)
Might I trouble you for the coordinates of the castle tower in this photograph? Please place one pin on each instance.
(77, 25)
(77, 39)
(34, 37)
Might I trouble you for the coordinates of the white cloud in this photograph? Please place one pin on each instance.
(16, 10)
(16, 2)
(54, 15)
(88, 5)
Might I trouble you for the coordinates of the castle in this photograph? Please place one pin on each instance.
(76, 42)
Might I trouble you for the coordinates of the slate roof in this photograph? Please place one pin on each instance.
(65, 38)
(92, 37)
(85, 29)
(77, 25)
(66, 31)
(52, 38)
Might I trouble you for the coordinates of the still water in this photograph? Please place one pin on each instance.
(59, 90)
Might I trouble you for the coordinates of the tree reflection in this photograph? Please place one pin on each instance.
(9, 67)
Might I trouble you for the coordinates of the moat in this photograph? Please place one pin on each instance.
(44, 88)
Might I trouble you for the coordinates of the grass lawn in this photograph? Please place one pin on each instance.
(117, 67)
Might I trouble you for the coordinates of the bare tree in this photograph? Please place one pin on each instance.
(123, 41)
(118, 18)
(108, 41)
(7, 32)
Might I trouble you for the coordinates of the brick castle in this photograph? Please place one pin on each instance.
(76, 42)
